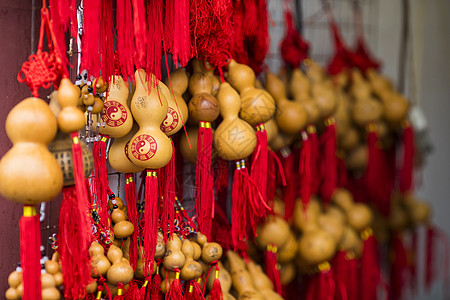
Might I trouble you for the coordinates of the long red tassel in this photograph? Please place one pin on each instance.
(30, 253)
(175, 289)
(106, 38)
(204, 192)
(140, 31)
(374, 175)
(150, 220)
(168, 203)
(216, 291)
(154, 291)
(130, 194)
(328, 141)
(290, 190)
(406, 173)
(176, 31)
(101, 178)
(398, 267)
(194, 292)
(125, 41)
(316, 168)
(370, 269)
(305, 170)
(155, 36)
(271, 267)
(90, 39)
(321, 285)
(260, 161)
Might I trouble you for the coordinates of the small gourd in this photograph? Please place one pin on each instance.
(173, 258)
(149, 148)
(30, 126)
(191, 269)
(257, 106)
(71, 118)
(100, 263)
(120, 270)
(299, 85)
(140, 266)
(160, 246)
(288, 251)
(49, 290)
(177, 113)
(116, 115)
(275, 231)
(234, 138)
(210, 251)
(291, 117)
(242, 281)
(316, 246)
(122, 228)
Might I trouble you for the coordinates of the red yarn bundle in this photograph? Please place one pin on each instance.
(271, 267)
(150, 231)
(293, 48)
(321, 285)
(258, 171)
(130, 195)
(305, 170)
(369, 276)
(167, 189)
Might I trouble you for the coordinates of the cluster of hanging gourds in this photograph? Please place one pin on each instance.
(236, 185)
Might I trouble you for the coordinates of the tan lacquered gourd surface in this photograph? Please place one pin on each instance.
(116, 115)
(149, 148)
(71, 118)
(234, 138)
(118, 153)
(30, 126)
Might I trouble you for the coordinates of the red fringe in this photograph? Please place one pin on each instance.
(150, 220)
(176, 31)
(305, 170)
(399, 266)
(125, 41)
(238, 33)
(370, 269)
(271, 267)
(196, 292)
(155, 37)
(106, 38)
(90, 60)
(216, 291)
(258, 171)
(290, 190)
(179, 167)
(168, 200)
(328, 142)
(293, 48)
(133, 292)
(248, 206)
(155, 289)
(30, 253)
(204, 192)
(317, 171)
(321, 286)
(130, 194)
(101, 179)
(175, 290)
(102, 286)
(140, 31)
(406, 173)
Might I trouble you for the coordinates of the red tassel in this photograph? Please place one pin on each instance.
(321, 285)
(342, 58)
(140, 31)
(378, 191)
(155, 37)
(260, 161)
(328, 141)
(399, 267)
(216, 291)
(293, 48)
(30, 253)
(194, 292)
(271, 267)
(204, 192)
(168, 205)
(290, 190)
(150, 220)
(342, 172)
(345, 272)
(305, 170)
(406, 173)
(90, 39)
(125, 41)
(155, 289)
(176, 31)
(133, 292)
(101, 183)
(370, 268)
(175, 289)
(120, 291)
(238, 33)
(248, 206)
(130, 194)
(106, 39)
(316, 168)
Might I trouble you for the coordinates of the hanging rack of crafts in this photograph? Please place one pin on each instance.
(189, 170)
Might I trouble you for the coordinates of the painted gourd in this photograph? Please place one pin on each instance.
(118, 156)
(149, 148)
(116, 115)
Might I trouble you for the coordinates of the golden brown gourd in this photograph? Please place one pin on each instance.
(149, 148)
(30, 126)
(241, 278)
(275, 231)
(173, 258)
(177, 113)
(291, 117)
(257, 106)
(234, 138)
(120, 270)
(191, 269)
(116, 115)
(100, 263)
(71, 118)
(122, 228)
